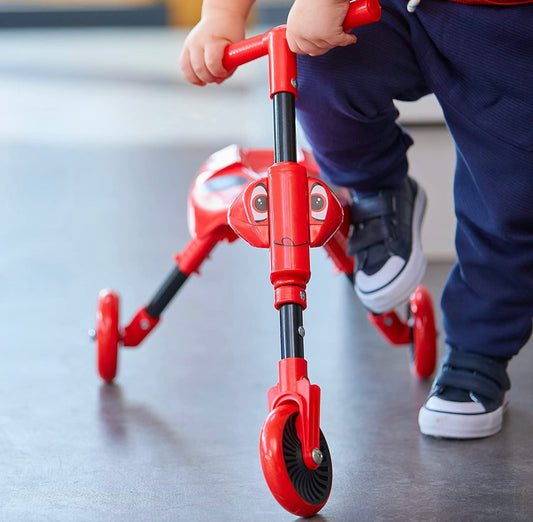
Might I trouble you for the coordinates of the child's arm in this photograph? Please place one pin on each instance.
(315, 26)
(223, 22)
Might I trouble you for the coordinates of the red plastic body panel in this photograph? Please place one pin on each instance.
(219, 181)
(325, 212)
(294, 388)
(222, 177)
(248, 215)
(336, 249)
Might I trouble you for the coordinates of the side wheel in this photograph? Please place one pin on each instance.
(424, 334)
(297, 488)
(107, 335)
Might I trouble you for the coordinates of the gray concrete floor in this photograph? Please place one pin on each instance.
(176, 438)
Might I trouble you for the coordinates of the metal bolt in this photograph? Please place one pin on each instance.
(301, 330)
(317, 456)
(302, 295)
(92, 334)
(294, 83)
(145, 324)
(388, 321)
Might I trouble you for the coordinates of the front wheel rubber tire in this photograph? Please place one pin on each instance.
(298, 489)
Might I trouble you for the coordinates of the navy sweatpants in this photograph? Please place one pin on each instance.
(478, 60)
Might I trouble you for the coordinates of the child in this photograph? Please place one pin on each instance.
(477, 60)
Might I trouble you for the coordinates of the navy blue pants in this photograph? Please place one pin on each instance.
(478, 60)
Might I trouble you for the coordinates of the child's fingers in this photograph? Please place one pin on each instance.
(187, 69)
(303, 46)
(309, 47)
(213, 61)
(199, 66)
(346, 39)
(317, 47)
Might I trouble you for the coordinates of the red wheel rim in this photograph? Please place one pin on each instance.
(107, 335)
(275, 467)
(424, 333)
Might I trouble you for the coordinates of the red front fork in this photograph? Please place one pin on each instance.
(294, 388)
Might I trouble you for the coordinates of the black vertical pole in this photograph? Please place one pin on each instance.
(291, 331)
(284, 127)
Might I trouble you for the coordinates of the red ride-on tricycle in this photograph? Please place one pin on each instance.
(276, 200)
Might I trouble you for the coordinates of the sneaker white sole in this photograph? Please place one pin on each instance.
(460, 425)
(399, 289)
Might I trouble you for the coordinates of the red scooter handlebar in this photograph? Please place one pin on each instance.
(360, 12)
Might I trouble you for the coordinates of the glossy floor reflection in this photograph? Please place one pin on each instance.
(176, 438)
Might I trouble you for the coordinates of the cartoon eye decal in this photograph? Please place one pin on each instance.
(259, 203)
(319, 202)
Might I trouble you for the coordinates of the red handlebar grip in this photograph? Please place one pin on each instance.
(362, 12)
(245, 51)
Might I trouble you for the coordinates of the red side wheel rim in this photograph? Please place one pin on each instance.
(298, 489)
(424, 347)
(107, 334)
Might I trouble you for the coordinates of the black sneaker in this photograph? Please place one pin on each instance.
(468, 398)
(386, 241)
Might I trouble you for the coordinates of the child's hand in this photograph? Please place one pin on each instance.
(201, 58)
(315, 26)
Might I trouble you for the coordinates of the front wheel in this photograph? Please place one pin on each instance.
(298, 489)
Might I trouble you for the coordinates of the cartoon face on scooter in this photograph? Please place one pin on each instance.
(264, 218)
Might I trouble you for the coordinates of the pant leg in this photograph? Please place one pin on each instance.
(345, 103)
(481, 70)
(488, 299)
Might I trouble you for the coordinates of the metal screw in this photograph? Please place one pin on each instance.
(92, 334)
(294, 83)
(301, 330)
(145, 324)
(317, 456)
(388, 321)
(302, 295)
